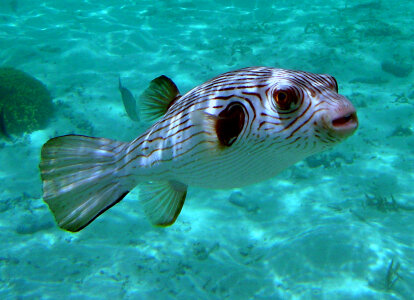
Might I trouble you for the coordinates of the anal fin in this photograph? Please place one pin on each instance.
(162, 201)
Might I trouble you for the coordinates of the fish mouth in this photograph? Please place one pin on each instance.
(346, 123)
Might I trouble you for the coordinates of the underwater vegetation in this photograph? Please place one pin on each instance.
(384, 204)
(25, 102)
(402, 130)
(3, 130)
(386, 279)
(392, 275)
(397, 67)
(329, 160)
(14, 5)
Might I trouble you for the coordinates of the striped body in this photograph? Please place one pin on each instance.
(239, 128)
(181, 146)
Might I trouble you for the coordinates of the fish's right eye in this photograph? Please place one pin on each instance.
(285, 99)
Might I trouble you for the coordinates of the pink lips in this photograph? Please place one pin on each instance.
(346, 123)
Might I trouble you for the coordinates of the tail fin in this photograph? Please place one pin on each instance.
(80, 178)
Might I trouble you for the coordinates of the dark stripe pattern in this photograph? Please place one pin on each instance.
(183, 145)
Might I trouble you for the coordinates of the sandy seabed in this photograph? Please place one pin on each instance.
(335, 226)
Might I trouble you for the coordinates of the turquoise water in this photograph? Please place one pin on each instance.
(338, 225)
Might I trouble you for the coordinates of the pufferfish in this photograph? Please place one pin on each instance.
(236, 129)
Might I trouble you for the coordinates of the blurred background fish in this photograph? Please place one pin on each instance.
(130, 103)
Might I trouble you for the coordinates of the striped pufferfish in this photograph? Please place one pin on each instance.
(237, 129)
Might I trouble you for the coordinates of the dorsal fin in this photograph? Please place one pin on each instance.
(158, 97)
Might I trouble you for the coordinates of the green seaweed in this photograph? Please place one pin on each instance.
(27, 102)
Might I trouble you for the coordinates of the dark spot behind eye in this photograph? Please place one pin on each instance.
(230, 123)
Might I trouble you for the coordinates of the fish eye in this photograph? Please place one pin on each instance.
(285, 98)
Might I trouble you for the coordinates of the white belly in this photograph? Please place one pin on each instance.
(230, 169)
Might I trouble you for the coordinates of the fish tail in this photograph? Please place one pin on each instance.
(81, 179)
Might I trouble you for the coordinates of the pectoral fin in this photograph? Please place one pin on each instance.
(162, 201)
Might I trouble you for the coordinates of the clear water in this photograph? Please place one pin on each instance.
(326, 228)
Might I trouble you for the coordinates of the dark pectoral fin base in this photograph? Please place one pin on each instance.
(230, 123)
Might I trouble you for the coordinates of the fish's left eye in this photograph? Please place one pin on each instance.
(285, 99)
